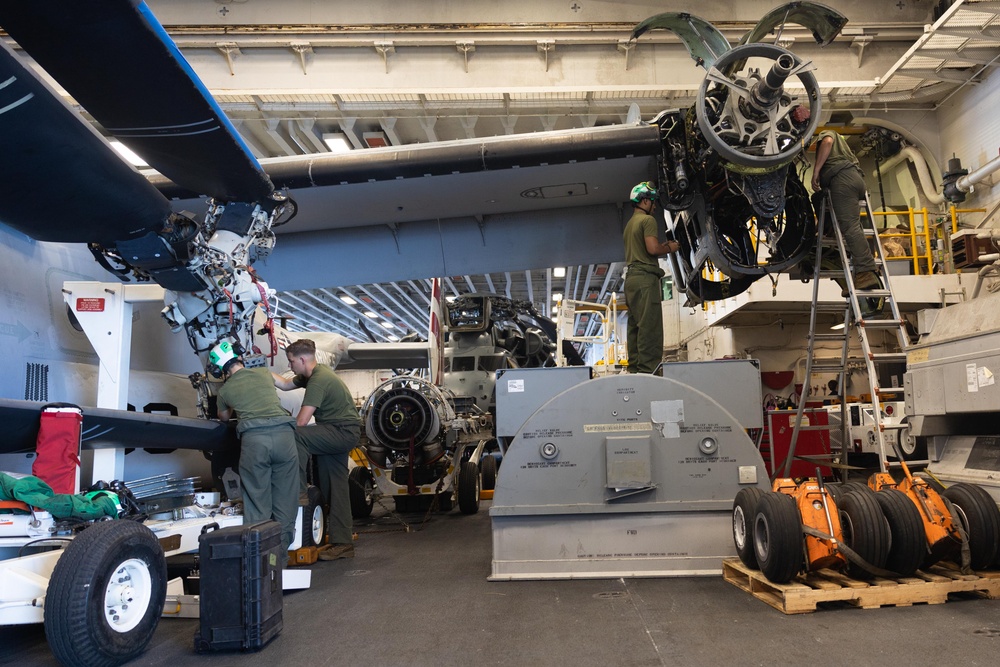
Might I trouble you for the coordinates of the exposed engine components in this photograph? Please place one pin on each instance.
(403, 417)
(419, 449)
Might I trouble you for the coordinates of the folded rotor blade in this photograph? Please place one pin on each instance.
(59, 179)
(118, 62)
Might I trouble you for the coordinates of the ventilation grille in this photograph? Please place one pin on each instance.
(36, 382)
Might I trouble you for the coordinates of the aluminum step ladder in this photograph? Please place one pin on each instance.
(863, 311)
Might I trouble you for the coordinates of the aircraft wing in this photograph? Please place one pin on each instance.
(117, 61)
(105, 429)
(493, 204)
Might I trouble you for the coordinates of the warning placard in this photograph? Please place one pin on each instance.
(90, 305)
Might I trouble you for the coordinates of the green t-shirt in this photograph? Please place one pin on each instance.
(639, 226)
(839, 153)
(251, 393)
(329, 395)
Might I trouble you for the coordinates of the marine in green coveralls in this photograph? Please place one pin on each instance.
(336, 432)
(643, 291)
(269, 461)
(838, 171)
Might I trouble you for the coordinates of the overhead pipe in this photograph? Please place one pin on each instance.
(954, 188)
(923, 173)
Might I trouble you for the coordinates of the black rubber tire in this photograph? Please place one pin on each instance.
(777, 537)
(865, 530)
(488, 470)
(856, 486)
(980, 517)
(313, 518)
(468, 488)
(362, 492)
(835, 491)
(907, 542)
(744, 511)
(81, 628)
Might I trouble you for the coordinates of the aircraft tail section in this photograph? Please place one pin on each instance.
(436, 334)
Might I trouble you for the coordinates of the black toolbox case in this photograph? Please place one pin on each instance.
(240, 586)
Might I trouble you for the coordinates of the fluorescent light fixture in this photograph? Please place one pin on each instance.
(349, 300)
(837, 327)
(557, 296)
(387, 325)
(128, 154)
(559, 272)
(392, 338)
(336, 142)
(370, 314)
(450, 298)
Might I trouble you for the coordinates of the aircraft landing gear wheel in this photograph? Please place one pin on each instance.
(362, 492)
(777, 537)
(313, 518)
(865, 530)
(980, 518)
(907, 544)
(744, 510)
(468, 488)
(489, 472)
(106, 595)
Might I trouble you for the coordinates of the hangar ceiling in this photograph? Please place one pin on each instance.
(294, 74)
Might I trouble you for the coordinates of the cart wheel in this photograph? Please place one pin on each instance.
(313, 518)
(744, 509)
(981, 519)
(907, 544)
(865, 530)
(488, 468)
(856, 486)
(362, 492)
(106, 595)
(777, 537)
(468, 488)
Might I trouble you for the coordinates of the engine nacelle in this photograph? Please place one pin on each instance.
(405, 417)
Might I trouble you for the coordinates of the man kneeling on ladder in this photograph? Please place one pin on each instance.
(837, 171)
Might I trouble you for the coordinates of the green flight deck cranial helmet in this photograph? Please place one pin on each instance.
(645, 190)
(222, 355)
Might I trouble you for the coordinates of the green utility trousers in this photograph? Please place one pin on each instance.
(330, 443)
(847, 188)
(269, 475)
(644, 294)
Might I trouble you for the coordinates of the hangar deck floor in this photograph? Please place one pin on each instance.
(422, 598)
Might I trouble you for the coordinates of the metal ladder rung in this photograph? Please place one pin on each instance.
(873, 293)
(829, 336)
(889, 390)
(827, 368)
(879, 324)
(831, 273)
(831, 308)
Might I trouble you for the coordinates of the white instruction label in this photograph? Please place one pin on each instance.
(971, 378)
(515, 386)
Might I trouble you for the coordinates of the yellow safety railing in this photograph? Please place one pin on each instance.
(920, 228)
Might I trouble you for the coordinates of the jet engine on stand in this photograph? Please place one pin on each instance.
(419, 449)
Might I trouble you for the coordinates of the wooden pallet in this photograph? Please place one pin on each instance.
(808, 590)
